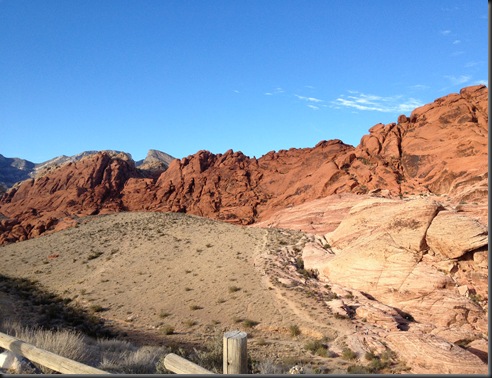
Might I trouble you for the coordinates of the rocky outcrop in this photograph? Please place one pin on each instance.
(441, 149)
(90, 186)
(423, 268)
(452, 235)
(381, 248)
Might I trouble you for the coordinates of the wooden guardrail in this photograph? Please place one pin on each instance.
(45, 358)
(180, 365)
(235, 357)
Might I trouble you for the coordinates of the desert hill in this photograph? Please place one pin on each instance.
(441, 149)
(145, 273)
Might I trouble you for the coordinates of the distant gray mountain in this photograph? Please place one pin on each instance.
(155, 161)
(13, 170)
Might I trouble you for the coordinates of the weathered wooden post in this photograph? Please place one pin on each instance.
(235, 354)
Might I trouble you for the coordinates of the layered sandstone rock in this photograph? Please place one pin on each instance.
(424, 270)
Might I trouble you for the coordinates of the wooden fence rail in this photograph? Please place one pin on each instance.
(45, 358)
(180, 365)
(235, 357)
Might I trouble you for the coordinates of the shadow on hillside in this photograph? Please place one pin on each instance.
(35, 307)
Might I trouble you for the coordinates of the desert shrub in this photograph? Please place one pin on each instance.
(250, 323)
(299, 263)
(97, 308)
(318, 348)
(307, 273)
(269, 367)
(348, 354)
(294, 330)
(210, 357)
(143, 360)
(233, 289)
(261, 342)
(358, 369)
(190, 323)
(94, 255)
(167, 329)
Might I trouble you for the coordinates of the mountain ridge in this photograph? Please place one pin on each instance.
(440, 149)
(14, 170)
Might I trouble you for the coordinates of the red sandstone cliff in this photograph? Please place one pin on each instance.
(441, 148)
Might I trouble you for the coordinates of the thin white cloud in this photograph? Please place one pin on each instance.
(235, 91)
(370, 102)
(473, 64)
(277, 90)
(420, 87)
(450, 9)
(312, 107)
(456, 41)
(445, 32)
(483, 82)
(458, 80)
(310, 99)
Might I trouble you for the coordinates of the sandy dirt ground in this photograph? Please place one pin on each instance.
(146, 272)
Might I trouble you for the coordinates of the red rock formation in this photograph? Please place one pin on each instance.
(441, 148)
(90, 186)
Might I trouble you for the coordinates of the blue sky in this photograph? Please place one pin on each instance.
(250, 75)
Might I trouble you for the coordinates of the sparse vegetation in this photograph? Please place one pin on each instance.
(359, 369)
(307, 273)
(294, 330)
(94, 255)
(317, 347)
(97, 308)
(210, 357)
(164, 314)
(233, 289)
(167, 329)
(348, 354)
(250, 323)
(190, 322)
